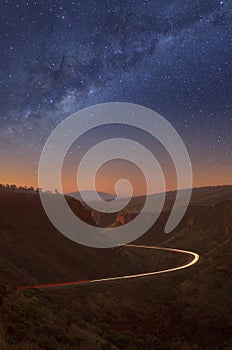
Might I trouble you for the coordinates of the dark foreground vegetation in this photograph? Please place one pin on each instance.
(185, 310)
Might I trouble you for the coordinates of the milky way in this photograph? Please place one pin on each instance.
(172, 56)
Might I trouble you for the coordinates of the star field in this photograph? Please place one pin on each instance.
(60, 56)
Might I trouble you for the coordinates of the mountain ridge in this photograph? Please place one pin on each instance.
(91, 195)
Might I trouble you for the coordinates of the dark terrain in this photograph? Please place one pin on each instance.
(189, 309)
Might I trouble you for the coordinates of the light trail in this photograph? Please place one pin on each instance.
(194, 257)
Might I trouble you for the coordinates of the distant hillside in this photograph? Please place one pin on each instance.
(200, 196)
(91, 195)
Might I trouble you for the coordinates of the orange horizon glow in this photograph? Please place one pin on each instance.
(25, 173)
(108, 190)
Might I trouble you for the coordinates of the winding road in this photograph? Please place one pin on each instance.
(192, 260)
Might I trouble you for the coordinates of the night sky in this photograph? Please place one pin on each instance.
(174, 56)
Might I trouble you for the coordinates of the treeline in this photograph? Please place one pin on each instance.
(15, 188)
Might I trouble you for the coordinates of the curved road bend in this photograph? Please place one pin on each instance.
(192, 260)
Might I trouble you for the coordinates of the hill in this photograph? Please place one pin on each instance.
(200, 196)
(91, 195)
(34, 252)
(185, 310)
